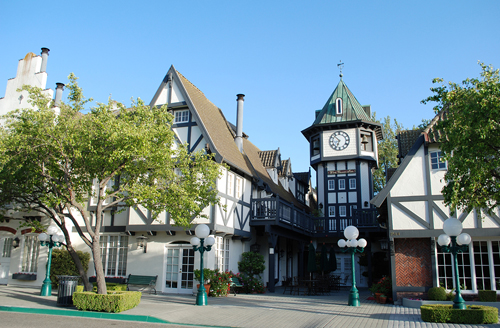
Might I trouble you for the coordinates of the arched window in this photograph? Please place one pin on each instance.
(338, 106)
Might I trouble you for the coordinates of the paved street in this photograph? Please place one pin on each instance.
(262, 310)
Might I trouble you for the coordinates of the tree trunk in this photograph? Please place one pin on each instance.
(99, 271)
(79, 266)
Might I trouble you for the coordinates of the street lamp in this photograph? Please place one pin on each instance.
(353, 246)
(50, 239)
(459, 243)
(202, 231)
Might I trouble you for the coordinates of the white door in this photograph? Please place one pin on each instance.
(344, 269)
(5, 250)
(179, 267)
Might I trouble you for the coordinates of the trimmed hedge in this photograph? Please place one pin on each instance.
(437, 294)
(63, 265)
(116, 301)
(445, 313)
(487, 295)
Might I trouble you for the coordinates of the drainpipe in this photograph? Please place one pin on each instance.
(239, 122)
(45, 57)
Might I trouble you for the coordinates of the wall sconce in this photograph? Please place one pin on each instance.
(16, 242)
(142, 242)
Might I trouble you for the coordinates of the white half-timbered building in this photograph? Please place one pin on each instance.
(413, 205)
(266, 206)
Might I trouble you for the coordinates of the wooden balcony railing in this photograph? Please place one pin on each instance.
(276, 211)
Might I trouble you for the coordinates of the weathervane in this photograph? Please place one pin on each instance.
(340, 66)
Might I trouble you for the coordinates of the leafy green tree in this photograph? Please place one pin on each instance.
(387, 151)
(118, 157)
(470, 142)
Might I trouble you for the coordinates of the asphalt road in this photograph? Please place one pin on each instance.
(24, 320)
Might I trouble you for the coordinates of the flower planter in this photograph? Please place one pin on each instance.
(382, 299)
(207, 288)
(23, 276)
(377, 297)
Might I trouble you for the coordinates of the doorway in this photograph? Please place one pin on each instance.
(5, 251)
(179, 267)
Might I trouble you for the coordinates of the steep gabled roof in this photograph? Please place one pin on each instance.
(270, 158)
(212, 121)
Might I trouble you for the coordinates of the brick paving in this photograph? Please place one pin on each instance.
(262, 310)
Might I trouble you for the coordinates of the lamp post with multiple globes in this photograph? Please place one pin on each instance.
(353, 246)
(459, 243)
(202, 238)
(50, 239)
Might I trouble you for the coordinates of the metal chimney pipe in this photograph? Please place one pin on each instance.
(239, 122)
(45, 57)
(59, 91)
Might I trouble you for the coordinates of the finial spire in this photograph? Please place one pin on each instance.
(340, 66)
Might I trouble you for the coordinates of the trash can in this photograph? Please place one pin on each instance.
(67, 286)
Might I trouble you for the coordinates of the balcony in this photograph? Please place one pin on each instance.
(275, 211)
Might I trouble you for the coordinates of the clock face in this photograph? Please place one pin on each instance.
(339, 140)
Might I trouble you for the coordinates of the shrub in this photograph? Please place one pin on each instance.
(112, 286)
(251, 264)
(487, 295)
(474, 314)
(383, 286)
(208, 275)
(112, 302)
(62, 264)
(437, 294)
(219, 285)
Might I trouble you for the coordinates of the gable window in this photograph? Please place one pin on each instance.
(331, 184)
(342, 211)
(341, 184)
(338, 105)
(352, 183)
(331, 211)
(437, 161)
(114, 250)
(181, 116)
(30, 254)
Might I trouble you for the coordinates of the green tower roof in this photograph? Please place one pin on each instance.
(351, 108)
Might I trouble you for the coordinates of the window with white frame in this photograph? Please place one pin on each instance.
(331, 184)
(437, 161)
(342, 211)
(353, 209)
(181, 116)
(338, 103)
(31, 248)
(7, 247)
(114, 250)
(478, 268)
(230, 184)
(352, 183)
(341, 184)
(239, 187)
(221, 254)
(331, 211)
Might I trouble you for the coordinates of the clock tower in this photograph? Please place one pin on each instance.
(343, 151)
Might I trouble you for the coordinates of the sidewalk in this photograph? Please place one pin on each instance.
(261, 310)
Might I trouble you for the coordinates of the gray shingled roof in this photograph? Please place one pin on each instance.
(406, 140)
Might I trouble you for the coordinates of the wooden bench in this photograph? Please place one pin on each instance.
(143, 281)
(235, 283)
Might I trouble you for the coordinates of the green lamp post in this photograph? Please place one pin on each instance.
(202, 231)
(353, 246)
(50, 239)
(459, 243)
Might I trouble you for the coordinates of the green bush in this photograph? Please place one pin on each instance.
(437, 294)
(445, 313)
(62, 264)
(487, 295)
(112, 286)
(113, 302)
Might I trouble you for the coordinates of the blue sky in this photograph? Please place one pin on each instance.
(282, 55)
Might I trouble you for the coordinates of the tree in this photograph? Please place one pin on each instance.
(387, 151)
(115, 156)
(470, 142)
